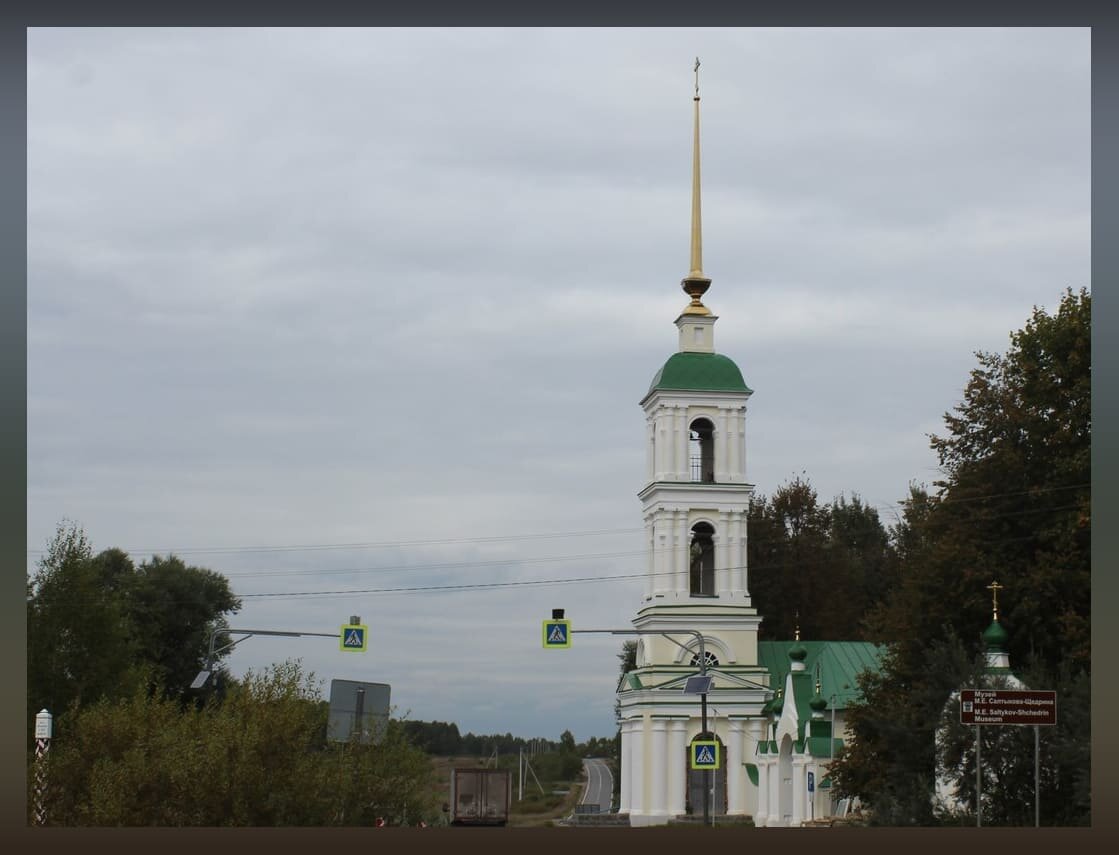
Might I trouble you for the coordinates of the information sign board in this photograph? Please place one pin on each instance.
(1008, 706)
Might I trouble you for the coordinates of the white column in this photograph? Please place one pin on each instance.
(743, 551)
(658, 794)
(651, 555)
(677, 747)
(624, 773)
(761, 815)
(723, 442)
(800, 793)
(664, 442)
(755, 799)
(775, 818)
(680, 463)
(735, 770)
(682, 561)
(732, 447)
(735, 552)
(650, 449)
(723, 551)
(638, 803)
(740, 443)
(662, 557)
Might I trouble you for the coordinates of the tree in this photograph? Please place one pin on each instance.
(176, 607)
(99, 627)
(802, 553)
(1012, 506)
(78, 644)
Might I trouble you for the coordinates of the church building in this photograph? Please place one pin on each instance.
(771, 706)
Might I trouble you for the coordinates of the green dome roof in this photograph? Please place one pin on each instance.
(818, 704)
(995, 636)
(798, 652)
(711, 372)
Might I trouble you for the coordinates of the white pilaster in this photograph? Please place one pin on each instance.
(677, 773)
(681, 561)
(664, 443)
(638, 799)
(679, 444)
(735, 771)
(658, 794)
(740, 444)
(723, 563)
(775, 818)
(661, 549)
(735, 552)
(722, 446)
(761, 815)
(624, 777)
(800, 793)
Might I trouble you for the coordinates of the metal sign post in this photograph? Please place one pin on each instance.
(44, 726)
(1037, 775)
(978, 784)
(1008, 707)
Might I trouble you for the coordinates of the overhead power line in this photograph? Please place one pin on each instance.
(512, 538)
(378, 544)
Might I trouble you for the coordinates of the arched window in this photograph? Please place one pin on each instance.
(710, 660)
(702, 553)
(701, 444)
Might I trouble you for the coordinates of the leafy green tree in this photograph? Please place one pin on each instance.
(98, 626)
(79, 646)
(802, 552)
(174, 608)
(1012, 506)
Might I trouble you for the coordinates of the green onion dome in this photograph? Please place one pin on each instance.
(995, 636)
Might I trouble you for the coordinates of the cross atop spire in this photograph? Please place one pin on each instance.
(994, 588)
(697, 78)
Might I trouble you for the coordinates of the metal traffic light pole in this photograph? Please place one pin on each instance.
(205, 675)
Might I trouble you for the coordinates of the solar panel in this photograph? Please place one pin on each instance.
(699, 685)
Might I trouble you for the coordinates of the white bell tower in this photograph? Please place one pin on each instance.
(694, 504)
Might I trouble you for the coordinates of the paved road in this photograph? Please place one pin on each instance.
(600, 785)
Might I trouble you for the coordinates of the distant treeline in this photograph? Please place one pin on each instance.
(443, 739)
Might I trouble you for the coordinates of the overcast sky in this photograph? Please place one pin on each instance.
(339, 311)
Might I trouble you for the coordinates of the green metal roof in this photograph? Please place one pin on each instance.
(840, 663)
(710, 372)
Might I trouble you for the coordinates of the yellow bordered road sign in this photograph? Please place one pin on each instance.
(557, 633)
(354, 637)
(704, 754)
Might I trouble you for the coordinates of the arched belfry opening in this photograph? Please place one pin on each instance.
(702, 571)
(701, 443)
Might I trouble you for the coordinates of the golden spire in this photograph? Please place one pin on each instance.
(697, 229)
(994, 588)
(695, 285)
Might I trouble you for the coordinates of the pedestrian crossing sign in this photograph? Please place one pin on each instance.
(557, 633)
(354, 637)
(705, 754)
